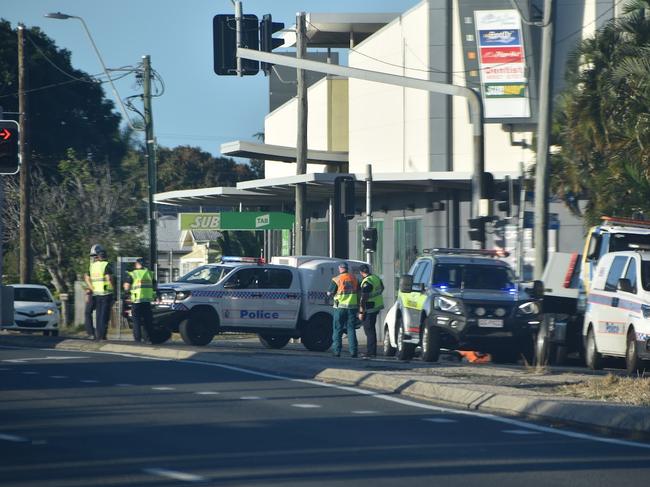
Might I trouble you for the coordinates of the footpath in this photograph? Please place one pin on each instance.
(508, 391)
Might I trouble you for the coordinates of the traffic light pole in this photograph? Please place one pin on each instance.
(238, 21)
(479, 206)
(151, 165)
(369, 207)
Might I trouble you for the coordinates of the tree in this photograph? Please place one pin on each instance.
(602, 119)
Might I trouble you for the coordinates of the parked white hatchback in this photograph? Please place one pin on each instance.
(35, 310)
(617, 321)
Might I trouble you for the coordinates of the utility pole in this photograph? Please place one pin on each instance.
(25, 190)
(543, 128)
(151, 164)
(301, 143)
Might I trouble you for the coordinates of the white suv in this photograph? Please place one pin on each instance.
(35, 310)
(617, 321)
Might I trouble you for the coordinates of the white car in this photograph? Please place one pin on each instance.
(35, 310)
(617, 321)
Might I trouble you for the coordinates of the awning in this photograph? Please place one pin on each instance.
(257, 150)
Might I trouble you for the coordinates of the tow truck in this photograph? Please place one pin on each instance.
(567, 281)
(278, 301)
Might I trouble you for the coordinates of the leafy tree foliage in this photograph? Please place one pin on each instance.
(602, 119)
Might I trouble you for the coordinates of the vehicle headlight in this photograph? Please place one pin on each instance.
(50, 311)
(447, 304)
(181, 295)
(529, 308)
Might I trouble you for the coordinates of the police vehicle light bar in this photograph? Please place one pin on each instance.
(247, 260)
(486, 253)
(630, 222)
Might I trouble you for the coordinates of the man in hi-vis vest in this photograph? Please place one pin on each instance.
(100, 280)
(345, 289)
(141, 286)
(371, 304)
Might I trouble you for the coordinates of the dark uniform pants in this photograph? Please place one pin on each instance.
(344, 321)
(369, 322)
(88, 315)
(141, 320)
(103, 305)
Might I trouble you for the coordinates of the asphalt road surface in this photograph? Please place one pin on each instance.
(85, 419)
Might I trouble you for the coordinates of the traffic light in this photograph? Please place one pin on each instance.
(370, 239)
(224, 39)
(267, 41)
(504, 197)
(344, 197)
(9, 153)
(477, 229)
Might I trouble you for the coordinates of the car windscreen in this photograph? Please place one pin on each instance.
(460, 276)
(206, 274)
(33, 295)
(621, 241)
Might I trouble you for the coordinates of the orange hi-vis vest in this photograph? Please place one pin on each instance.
(347, 291)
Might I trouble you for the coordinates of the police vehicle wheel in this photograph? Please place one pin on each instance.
(316, 335)
(157, 335)
(632, 362)
(389, 350)
(430, 344)
(593, 358)
(198, 329)
(405, 351)
(274, 341)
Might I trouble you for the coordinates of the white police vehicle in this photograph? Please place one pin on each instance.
(617, 320)
(278, 301)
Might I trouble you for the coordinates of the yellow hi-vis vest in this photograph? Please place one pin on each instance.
(100, 281)
(375, 299)
(347, 289)
(142, 286)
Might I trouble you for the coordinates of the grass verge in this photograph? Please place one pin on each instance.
(611, 388)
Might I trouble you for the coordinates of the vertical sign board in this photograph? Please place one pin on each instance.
(498, 59)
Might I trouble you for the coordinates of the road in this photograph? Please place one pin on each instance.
(86, 419)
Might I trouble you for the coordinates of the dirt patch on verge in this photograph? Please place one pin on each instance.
(611, 388)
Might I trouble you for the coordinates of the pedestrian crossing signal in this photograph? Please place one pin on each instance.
(9, 150)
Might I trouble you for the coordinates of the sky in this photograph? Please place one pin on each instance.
(198, 108)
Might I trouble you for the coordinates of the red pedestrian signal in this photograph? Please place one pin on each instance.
(9, 153)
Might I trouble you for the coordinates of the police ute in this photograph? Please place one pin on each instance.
(278, 301)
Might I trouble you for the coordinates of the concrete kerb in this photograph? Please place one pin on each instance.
(621, 420)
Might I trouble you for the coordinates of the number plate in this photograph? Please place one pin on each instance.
(485, 323)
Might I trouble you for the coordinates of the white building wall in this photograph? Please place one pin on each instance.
(390, 126)
(280, 128)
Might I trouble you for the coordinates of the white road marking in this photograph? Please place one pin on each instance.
(306, 406)
(89, 381)
(30, 372)
(58, 377)
(439, 409)
(163, 388)
(440, 420)
(123, 385)
(363, 411)
(397, 400)
(14, 438)
(206, 393)
(250, 398)
(31, 359)
(174, 474)
(521, 432)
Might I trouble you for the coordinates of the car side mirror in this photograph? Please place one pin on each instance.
(624, 285)
(537, 291)
(406, 283)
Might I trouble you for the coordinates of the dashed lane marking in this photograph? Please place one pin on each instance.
(206, 393)
(364, 412)
(58, 377)
(522, 432)
(250, 398)
(123, 385)
(31, 359)
(14, 438)
(306, 406)
(440, 420)
(174, 474)
(29, 372)
(89, 381)
(163, 388)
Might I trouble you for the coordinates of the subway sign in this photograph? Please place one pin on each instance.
(245, 220)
